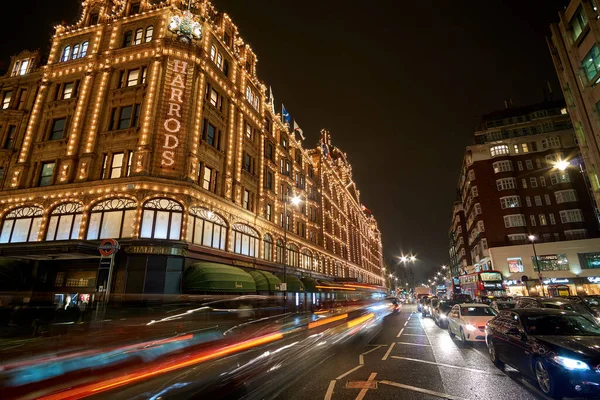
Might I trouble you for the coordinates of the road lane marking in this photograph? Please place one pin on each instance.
(414, 344)
(387, 354)
(361, 360)
(447, 365)
(363, 392)
(329, 392)
(420, 390)
(406, 323)
(413, 334)
(349, 372)
(400, 333)
(367, 352)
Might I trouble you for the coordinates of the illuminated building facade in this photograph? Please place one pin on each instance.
(148, 125)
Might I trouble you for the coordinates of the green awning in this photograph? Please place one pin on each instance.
(294, 284)
(309, 284)
(214, 277)
(265, 281)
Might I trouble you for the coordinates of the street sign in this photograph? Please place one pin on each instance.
(107, 247)
(283, 286)
(524, 278)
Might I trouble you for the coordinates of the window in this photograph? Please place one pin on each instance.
(510, 202)
(547, 199)
(125, 117)
(68, 90)
(480, 226)
(574, 215)
(474, 191)
(528, 201)
(65, 221)
(499, 150)
(519, 165)
(84, 49)
(269, 212)
(268, 247)
(251, 97)
(551, 262)
(524, 148)
(550, 143)
(247, 200)
(542, 218)
(75, 53)
(533, 181)
(214, 97)
(133, 77)
(269, 151)
(46, 174)
(139, 35)
(529, 164)
(135, 8)
(562, 177)
(514, 220)
(477, 208)
(518, 238)
(57, 131)
(213, 52)
(293, 258)
(6, 99)
(502, 166)
(116, 168)
(552, 219)
(279, 254)
(245, 240)
(591, 63)
(211, 133)
(248, 130)
(283, 141)
(66, 54)
(21, 67)
(113, 218)
(21, 225)
(9, 142)
(471, 175)
(269, 179)
(161, 219)
(206, 228)
(542, 181)
(249, 163)
(149, 33)
(589, 260)
(565, 196)
(577, 24)
(506, 184)
(576, 234)
(207, 174)
(524, 183)
(532, 219)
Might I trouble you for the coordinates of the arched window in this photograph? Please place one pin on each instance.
(206, 228)
(279, 256)
(293, 255)
(75, 53)
(84, 49)
(66, 54)
(245, 240)
(65, 221)
(149, 33)
(21, 225)
(161, 219)
(112, 218)
(139, 35)
(268, 249)
(307, 260)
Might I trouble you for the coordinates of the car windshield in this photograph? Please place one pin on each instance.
(561, 324)
(578, 308)
(477, 311)
(505, 305)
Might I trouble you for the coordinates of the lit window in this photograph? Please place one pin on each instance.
(207, 178)
(116, 168)
(246, 200)
(21, 225)
(46, 174)
(206, 228)
(139, 35)
(23, 67)
(161, 219)
(510, 202)
(506, 183)
(214, 97)
(112, 218)
(499, 150)
(66, 54)
(245, 240)
(502, 166)
(84, 49)
(213, 52)
(565, 196)
(6, 99)
(149, 33)
(562, 177)
(65, 221)
(542, 218)
(524, 147)
(591, 63)
(133, 77)
(75, 53)
(575, 215)
(268, 247)
(578, 23)
(68, 90)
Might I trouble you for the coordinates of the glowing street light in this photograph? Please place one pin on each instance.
(562, 165)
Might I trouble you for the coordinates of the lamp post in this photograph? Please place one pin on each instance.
(537, 265)
(295, 200)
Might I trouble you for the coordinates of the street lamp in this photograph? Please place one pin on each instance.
(532, 238)
(295, 200)
(562, 164)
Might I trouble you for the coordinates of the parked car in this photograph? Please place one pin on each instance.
(468, 321)
(590, 303)
(560, 349)
(427, 306)
(499, 305)
(440, 313)
(561, 303)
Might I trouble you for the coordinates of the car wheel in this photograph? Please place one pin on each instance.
(545, 379)
(463, 337)
(494, 355)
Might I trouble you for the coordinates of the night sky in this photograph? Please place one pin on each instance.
(401, 85)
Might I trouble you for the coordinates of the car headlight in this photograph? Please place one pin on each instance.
(570, 363)
(443, 316)
(470, 327)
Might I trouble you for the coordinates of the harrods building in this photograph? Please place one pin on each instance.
(147, 123)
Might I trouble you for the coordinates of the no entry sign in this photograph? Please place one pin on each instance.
(108, 247)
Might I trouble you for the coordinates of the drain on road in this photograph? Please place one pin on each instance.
(361, 385)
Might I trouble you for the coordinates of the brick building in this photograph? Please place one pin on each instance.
(148, 124)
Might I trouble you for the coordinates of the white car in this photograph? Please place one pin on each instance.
(468, 321)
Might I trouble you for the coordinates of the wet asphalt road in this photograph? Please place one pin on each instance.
(411, 358)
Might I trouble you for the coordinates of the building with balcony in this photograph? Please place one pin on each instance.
(523, 176)
(148, 124)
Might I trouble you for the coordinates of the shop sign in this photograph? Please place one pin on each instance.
(492, 285)
(554, 281)
(172, 124)
(108, 247)
(172, 251)
(593, 279)
(239, 263)
(515, 264)
(512, 282)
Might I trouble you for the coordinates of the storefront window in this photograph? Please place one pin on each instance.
(112, 218)
(268, 250)
(65, 221)
(551, 262)
(206, 228)
(245, 240)
(279, 254)
(515, 264)
(589, 260)
(162, 219)
(293, 256)
(21, 225)
(307, 259)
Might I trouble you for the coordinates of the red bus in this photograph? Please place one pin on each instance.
(483, 285)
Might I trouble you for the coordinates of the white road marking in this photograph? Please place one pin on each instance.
(406, 323)
(400, 333)
(387, 354)
(447, 365)
(420, 390)
(379, 346)
(329, 392)
(363, 391)
(414, 344)
(349, 372)
(413, 334)
(361, 360)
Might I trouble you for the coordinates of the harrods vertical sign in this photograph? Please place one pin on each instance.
(173, 121)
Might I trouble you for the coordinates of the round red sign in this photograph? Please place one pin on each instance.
(108, 247)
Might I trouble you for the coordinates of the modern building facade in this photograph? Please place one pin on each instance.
(460, 254)
(574, 48)
(523, 176)
(148, 124)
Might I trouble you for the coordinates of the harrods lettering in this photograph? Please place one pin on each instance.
(172, 124)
